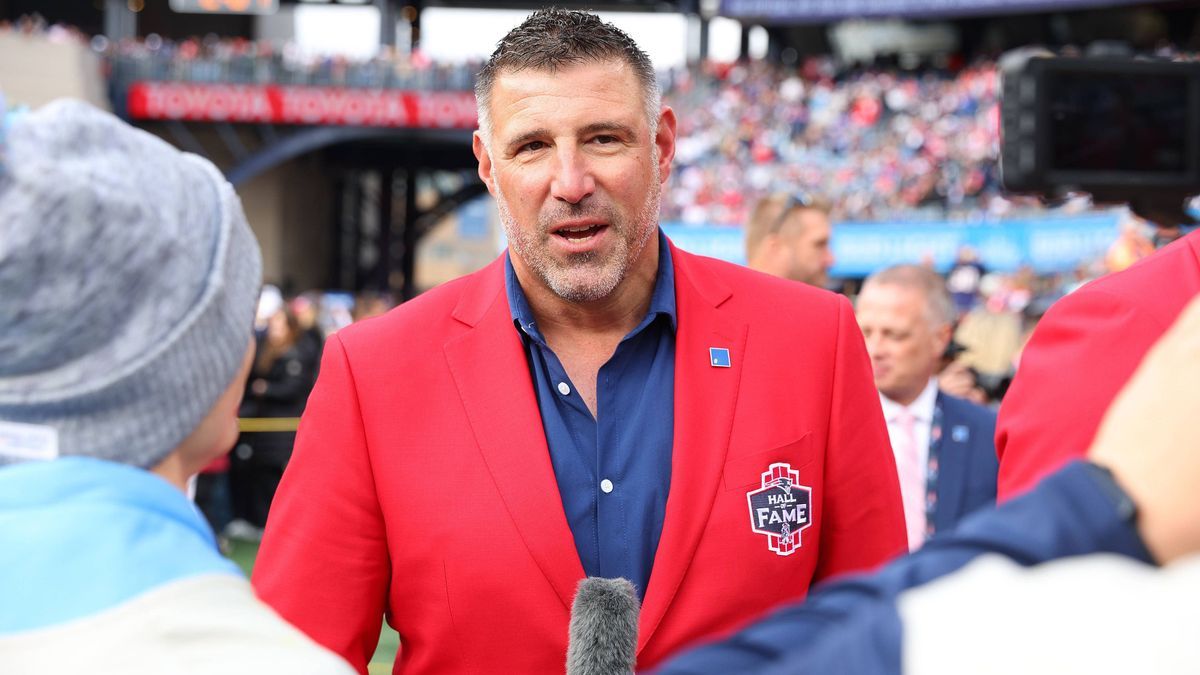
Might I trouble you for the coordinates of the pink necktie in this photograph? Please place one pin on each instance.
(912, 479)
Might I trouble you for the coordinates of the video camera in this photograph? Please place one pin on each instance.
(1122, 129)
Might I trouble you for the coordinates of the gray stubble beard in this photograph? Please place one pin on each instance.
(608, 274)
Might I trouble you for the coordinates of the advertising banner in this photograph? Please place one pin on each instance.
(338, 106)
(1050, 244)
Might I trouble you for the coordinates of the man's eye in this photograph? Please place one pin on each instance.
(604, 139)
(531, 146)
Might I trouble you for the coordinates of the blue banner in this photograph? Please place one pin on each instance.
(818, 11)
(1051, 244)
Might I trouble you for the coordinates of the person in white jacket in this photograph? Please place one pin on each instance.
(128, 279)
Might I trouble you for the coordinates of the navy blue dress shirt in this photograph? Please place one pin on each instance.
(614, 470)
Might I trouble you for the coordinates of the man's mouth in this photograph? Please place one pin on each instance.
(581, 232)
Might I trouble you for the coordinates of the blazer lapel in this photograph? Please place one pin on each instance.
(705, 396)
(490, 370)
(952, 469)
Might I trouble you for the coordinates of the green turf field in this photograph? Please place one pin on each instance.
(243, 553)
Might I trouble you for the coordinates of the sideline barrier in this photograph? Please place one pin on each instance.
(305, 105)
(267, 424)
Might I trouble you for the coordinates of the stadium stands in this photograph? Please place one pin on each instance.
(878, 144)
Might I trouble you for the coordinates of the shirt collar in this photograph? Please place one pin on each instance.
(921, 409)
(662, 300)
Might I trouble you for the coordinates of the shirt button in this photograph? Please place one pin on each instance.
(606, 486)
(563, 388)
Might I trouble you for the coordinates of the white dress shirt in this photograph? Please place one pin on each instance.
(922, 411)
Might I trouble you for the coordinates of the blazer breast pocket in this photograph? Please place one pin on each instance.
(746, 471)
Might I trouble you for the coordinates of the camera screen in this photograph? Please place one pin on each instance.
(1118, 122)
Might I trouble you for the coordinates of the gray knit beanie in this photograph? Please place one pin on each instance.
(128, 280)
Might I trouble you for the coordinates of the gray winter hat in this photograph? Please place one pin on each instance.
(128, 280)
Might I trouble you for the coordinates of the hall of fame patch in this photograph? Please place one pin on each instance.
(781, 508)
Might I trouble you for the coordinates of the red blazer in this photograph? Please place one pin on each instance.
(421, 484)
(1082, 353)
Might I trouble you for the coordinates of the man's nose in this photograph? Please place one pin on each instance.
(873, 347)
(573, 180)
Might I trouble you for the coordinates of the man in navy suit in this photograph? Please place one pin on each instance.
(943, 445)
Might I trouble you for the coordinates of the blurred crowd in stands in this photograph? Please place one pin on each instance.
(35, 26)
(879, 145)
(240, 61)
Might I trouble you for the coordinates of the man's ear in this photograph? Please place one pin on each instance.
(665, 140)
(941, 338)
(766, 254)
(485, 161)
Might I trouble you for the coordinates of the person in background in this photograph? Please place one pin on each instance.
(214, 498)
(280, 381)
(224, 487)
(369, 304)
(1130, 246)
(270, 300)
(991, 334)
(964, 278)
(943, 444)
(788, 237)
(128, 279)
(307, 309)
(960, 380)
(1165, 234)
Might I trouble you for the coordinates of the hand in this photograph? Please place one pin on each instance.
(957, 379)
(1150, 439)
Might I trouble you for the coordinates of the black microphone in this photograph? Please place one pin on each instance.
(604, 623)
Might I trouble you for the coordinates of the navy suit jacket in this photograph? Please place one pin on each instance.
(967, 463)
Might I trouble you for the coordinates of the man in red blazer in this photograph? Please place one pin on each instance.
(467, 459)
(1079, 357)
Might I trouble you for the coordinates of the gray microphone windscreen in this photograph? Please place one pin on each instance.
(603, 635)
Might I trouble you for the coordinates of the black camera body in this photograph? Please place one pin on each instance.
(1122, 129)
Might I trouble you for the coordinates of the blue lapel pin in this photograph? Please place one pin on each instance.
(719, 357)
(960, 433)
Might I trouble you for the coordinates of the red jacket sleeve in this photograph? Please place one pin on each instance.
(864, 517)
(323, 564)
(1080, 355)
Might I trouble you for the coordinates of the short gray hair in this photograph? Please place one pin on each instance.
(554, 38)
(925, 281)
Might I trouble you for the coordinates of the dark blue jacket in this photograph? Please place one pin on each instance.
(967, 464)
(851, 626)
